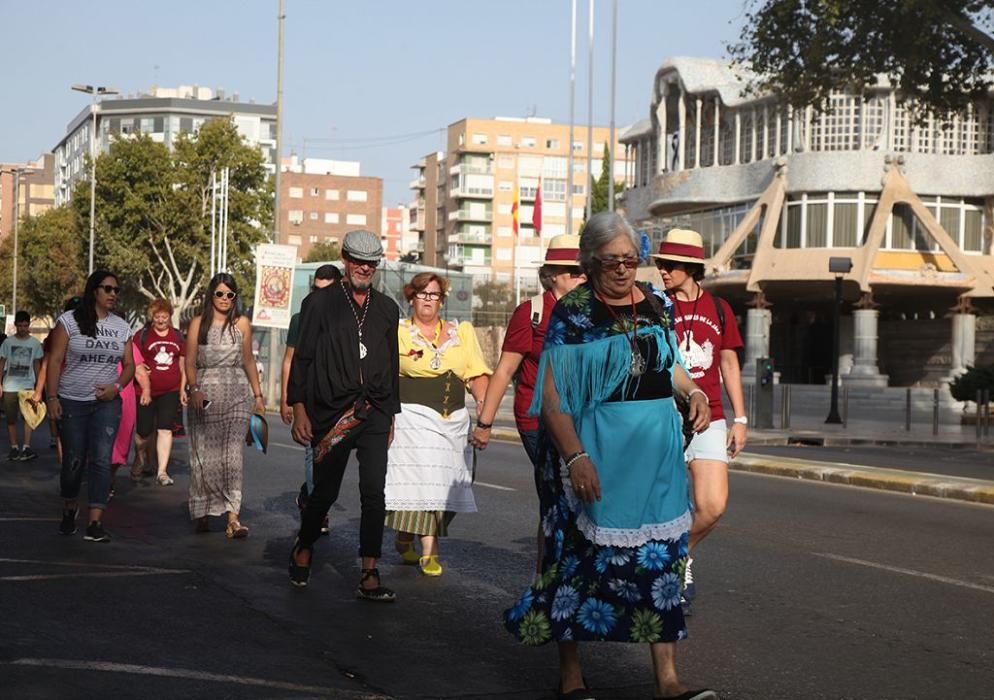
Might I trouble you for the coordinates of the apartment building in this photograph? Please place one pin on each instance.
(163, 114)
(463, 208)
(25, 190)
(321, 200)
(396, 232)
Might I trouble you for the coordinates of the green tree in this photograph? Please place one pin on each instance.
(325, 251)
(154, 213)
(600, 188)
(939, 53)
(49, 262)
(494, 303)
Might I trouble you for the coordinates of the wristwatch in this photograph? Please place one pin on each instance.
(741, 420)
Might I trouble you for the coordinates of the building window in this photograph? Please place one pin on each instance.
(315, 191)
(312, 239)
(504, 140)
(296, 192)
(330, 217)
(554, 190)
(479, 139)
(552, 143)
(295, 216)
(313, 216)
(331, 194)
(356, 195)
(577, 146)
(528, 142)
(356, 219)
(293, 239)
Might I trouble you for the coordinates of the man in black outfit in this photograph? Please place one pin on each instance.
(344, 390)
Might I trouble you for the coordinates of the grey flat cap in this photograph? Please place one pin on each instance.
(363, 246)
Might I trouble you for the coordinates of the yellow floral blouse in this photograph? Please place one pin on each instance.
(454, 348)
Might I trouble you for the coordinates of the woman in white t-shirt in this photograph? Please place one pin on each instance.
(84, 396)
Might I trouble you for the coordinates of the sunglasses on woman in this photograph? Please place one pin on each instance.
(110, 289)
(224, 295)
(668, 265)
(612, 264)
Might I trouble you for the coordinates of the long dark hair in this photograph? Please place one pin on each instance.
(86, 312)
(207, 310)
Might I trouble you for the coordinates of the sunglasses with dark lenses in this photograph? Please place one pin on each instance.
(612, 264)
(364, 263)
(224, 295)
(110, 289)
(668, 265)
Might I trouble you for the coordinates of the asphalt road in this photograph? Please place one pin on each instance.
(807, 590)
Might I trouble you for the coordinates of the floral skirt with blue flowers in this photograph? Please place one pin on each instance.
(590, 592)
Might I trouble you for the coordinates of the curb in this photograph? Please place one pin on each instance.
(897, 480)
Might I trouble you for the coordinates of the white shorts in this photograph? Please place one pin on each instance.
(710, 445)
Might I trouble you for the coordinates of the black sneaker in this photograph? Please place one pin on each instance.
(27, 454)
(14, 455)
(95, 532)
(299, 575)
(68, 524)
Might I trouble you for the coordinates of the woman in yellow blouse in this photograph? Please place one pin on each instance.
(428, 480)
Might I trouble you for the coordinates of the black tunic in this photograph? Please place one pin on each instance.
(327, 375)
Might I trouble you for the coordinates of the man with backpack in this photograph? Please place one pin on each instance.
(709, 341)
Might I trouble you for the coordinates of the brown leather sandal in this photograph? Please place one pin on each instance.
(235, 530)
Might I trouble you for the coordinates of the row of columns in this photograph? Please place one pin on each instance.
(858, 342)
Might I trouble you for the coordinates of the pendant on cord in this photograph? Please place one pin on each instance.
(436, 361)
(638, 364)
(362, 350)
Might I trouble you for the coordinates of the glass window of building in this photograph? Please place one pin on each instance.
(356, 195)
(296, 192)
(295, 216)
(552, 143)
(480, 139)
(315, 191)
(528, 142)
(331, 195)
(554, 190)
(313, 216)
(356, 219)
(330, 217)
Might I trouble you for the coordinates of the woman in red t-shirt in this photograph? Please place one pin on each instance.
(163, 349)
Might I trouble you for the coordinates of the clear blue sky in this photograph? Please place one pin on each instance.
(353, 70)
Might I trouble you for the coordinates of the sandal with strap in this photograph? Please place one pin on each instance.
(235, 530)
(299, 573)
(380, 594)
(430, 566)
(408, 554)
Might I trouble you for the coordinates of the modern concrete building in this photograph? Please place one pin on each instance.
(324, 199)
(25, 190)
(396, 233)
(163, 114)
(464, 197)
(776, 192)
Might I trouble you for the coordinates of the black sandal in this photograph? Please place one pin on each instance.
(299, 575)
(380, 594)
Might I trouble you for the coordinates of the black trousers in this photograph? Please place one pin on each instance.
(369, 440)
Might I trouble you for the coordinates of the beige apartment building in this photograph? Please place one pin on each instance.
(26, 189)
(463, 208)
(322, 200)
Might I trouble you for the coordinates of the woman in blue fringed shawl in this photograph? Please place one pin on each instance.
(615, 501)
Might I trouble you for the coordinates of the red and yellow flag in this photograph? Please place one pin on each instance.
(516, 208)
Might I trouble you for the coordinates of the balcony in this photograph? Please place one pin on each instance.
(417, 183)
(472, 168)
(463, 192)
(472, 214)
(471, 237)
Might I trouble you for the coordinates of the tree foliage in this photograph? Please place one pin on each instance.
(600, 188)
(50, 268)
(938, 53)
(966, 386)
(325, 251)
(154, 213)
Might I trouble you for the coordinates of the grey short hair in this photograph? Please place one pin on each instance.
(600, 230)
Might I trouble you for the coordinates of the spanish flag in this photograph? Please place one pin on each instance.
(516, 208)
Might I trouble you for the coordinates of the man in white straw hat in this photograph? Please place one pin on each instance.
(559, 274)
(708, 338)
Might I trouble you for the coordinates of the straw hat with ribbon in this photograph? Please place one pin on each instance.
(563, 250)
(681, 245)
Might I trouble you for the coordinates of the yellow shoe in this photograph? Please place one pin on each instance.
(408, 554)
(430, 566)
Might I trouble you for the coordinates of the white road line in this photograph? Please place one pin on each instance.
(118, 570)
(288, 446)
(183, 673)
(493, 486)
(907, 572)
(91, 574)
(125, 567)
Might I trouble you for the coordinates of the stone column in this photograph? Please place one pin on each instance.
(964, 343)
(864, 371)
(681, 111)
(697, 133)
(662, 164)
(757, 340)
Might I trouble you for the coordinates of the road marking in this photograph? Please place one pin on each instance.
(118, 570)
(189, 674)
(908, 572)
(288, 446)
(493, 486)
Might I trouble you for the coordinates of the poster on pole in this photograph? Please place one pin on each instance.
(274, 265)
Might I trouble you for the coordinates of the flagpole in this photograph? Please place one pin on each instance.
(614, 74)
(572, 115)
(590, 103)
(517, 233)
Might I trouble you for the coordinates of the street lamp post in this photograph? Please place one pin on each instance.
(839, 267)
(93, 92)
